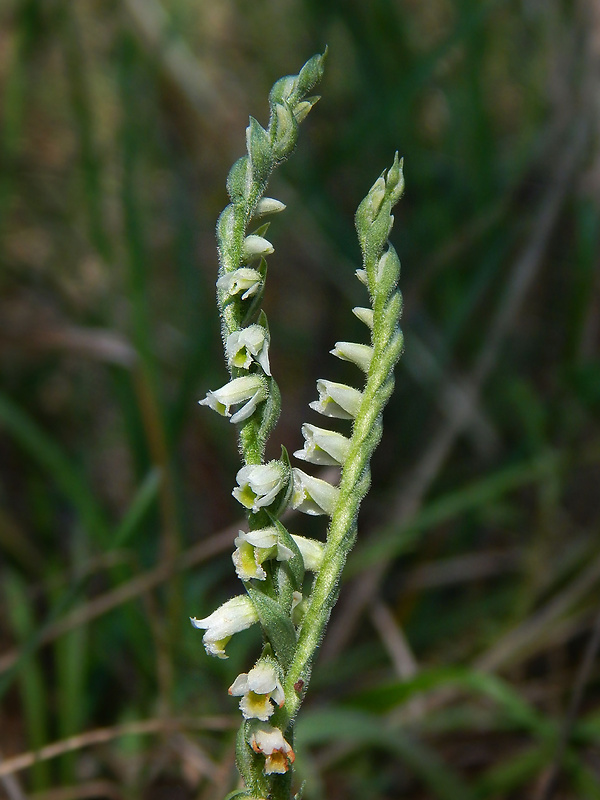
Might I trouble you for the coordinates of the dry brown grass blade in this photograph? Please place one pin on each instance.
(104, 735)
(132, 589)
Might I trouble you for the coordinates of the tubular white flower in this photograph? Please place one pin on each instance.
(364, 315)
(244, 279)
(246, 345)
(232, 617)
(256, 247)
(312, 552)
(270, 742)
(359, 354)
(249, 389)
(337, 400)
(259, 484)
(322, 446)
(254, 548)
(313, 495)
(257, 688)
(268, 205)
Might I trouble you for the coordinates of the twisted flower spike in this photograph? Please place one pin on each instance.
(269, 560)
(380, 273)
(242, 260)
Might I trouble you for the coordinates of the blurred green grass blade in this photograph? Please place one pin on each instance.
(367, 731)
(386, 697)
(32, 642)
(583, 779)
(71, 664)
(31, 681)
(56, 464)
(145, 497)
(503, 779)
(82, 101)
(392, 540)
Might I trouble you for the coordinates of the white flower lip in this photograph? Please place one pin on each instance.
(359, 354)
(259, 484)
(255, 547)
(249, 390)
(322, 446)
(247, 345)
(244, 279)
(337, 400)
(270, 742)
(246, 560)
(232, 617)
(312, 495)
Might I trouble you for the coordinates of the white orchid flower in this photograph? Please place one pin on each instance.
(312, 552)
(244, 280)
(232, 617)
(270, 742)
(249, 390)
(257, 688)
(337, 400)
(259, 484)
(247, 345)
(322, 446)
(313, 495)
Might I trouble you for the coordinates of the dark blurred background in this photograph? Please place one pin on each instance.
(461, 662)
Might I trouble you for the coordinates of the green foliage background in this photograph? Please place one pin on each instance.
(461, 662)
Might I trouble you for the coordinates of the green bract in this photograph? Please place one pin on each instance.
(293, 609)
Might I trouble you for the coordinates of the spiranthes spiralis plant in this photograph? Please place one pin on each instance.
(270, 561)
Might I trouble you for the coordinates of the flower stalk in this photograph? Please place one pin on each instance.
(272, 564)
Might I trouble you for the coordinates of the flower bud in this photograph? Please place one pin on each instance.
(359, 354)
(362, 276)
(256, 247)
(364, 315)
(268, 205)
(303, 108)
